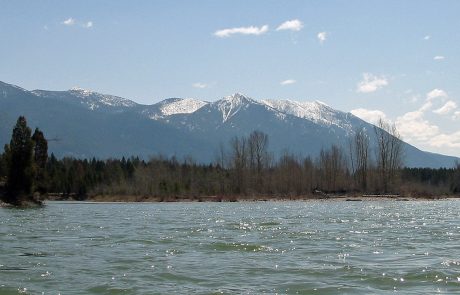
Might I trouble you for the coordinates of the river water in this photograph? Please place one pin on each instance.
(315, 247)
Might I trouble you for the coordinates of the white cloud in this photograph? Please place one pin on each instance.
(371, 116)
(418, 130)
(414, 128)
(322, 36)
(292, 25)
(456, 115)
(451, 140)
(426, 106)
(439, 57)
(427, 37)
(88, 24)
(431, 97)
(288, 82)
(252, 30)
(200, 85)
(371, 83)
(435, 93)
(446, 108)
(69, 22)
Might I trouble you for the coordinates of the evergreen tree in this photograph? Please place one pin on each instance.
(40, 158)
(3, 169)
(20, 162)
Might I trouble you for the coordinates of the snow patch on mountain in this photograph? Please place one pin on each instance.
(230, 105)
(316, 111)
(6, 88)
(181, 106)
(95, 100)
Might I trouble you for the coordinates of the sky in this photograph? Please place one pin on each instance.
(399, 60)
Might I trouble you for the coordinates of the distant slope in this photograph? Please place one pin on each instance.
(83, 123)
(80, 132)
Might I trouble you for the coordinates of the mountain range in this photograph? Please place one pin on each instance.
(82, 123)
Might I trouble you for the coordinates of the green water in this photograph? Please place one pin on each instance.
(232, 248)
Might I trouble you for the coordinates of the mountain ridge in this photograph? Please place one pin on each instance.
(102, 125)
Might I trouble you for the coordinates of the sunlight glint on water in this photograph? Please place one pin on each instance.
(228, 248)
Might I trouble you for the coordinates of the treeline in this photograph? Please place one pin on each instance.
(23, 165)
(246, 167)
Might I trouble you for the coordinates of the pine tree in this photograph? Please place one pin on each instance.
(20, 163)
(3, 170)
(40, 158)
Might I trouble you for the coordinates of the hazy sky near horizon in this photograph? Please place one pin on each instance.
(394, 59)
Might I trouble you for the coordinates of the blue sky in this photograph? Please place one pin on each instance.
(396, 59)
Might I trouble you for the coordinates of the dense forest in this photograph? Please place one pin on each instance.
(244, 167)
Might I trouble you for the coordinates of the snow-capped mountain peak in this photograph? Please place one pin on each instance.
(240, 99)
(315, 111)
(81, 91)
(322, 103)
(183, 127)
(230, 105)
(181, 106)
(173, 106)
(237, 98)
(94, 100)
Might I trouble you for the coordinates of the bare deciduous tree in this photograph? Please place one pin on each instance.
(221, 164)
(258, 144)
(258, 156)
(239, 162)
(389, 153)
(359, 157)
(332, 167)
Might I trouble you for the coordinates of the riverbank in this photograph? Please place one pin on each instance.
(251, 198)
(351, 198)
(23, 204)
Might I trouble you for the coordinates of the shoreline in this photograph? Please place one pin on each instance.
(228, 199)
(114, 199)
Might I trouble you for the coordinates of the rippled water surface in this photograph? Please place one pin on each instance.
(232, 248)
